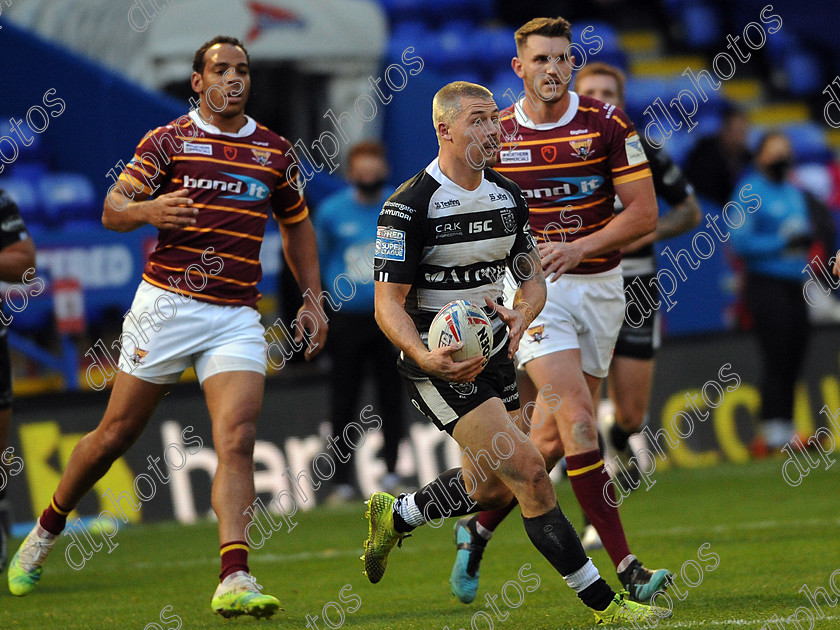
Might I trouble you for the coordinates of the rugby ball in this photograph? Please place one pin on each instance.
(462, 321)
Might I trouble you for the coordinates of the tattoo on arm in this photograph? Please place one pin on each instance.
(529, 267)
(682, 218)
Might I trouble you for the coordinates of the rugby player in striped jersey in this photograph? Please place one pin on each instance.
(208, 182)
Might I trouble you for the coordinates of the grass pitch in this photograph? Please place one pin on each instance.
(770, 540)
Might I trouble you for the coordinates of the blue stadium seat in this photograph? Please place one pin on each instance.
(449, 51)
(68, 196)
(36, 230)
(701, 25)
(615, 57)
(403, 10)
(480, 10)
(500, 83)
(493, 48)
(443, 11)
(809, 143)
(407, 34)
(464, 75)
(808, 140)
(24, 193)
(35, 151)
(604, 30)
(804, 72)
(639, 94)
(781, 44)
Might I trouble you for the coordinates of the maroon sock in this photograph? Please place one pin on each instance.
(234, 558)
(589, 478)
(54, 518)
(490, 519)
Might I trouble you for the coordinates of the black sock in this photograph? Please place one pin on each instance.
(555, 538)
(619, 437)
(441, 498)
(597, 595)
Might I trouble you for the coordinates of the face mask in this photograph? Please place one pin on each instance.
(369, 189)
(778, 170)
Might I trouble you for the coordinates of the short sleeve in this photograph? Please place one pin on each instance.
(146, 172)
(626, 157)
(399, 243)
(287, 201)
(12, 227)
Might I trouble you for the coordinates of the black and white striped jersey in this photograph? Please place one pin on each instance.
(449, 243)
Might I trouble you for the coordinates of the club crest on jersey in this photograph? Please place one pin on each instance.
(261, 157)
(537, 333)
(581, 148)
(508, 220)
(230, 153)
(549, 153)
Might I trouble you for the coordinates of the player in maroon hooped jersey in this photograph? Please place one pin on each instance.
(215, 175)
(571, 155)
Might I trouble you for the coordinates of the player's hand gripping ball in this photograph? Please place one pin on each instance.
(462, 321)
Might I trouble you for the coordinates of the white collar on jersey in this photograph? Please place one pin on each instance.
(247, 129)
(565, 119)
(433, 169)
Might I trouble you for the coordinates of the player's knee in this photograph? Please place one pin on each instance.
(534, 475)
(631, 418)
(237, 441)
(490, 497)
(112, 442)
(583, 429)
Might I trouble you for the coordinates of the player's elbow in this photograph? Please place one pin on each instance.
(649, 221)
(695, 214)
(112, 208)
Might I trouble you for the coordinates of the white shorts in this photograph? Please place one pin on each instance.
(163, 335)
(581, 311)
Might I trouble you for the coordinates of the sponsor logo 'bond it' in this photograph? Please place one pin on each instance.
(244, 188)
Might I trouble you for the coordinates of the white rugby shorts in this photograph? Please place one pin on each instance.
(163, 335)
(582, 311)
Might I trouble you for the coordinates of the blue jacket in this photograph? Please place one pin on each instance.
(762, 241)
(346, 237)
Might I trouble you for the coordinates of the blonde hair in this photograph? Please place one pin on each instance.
(446, 104)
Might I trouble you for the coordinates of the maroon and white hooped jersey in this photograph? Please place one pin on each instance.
(234, 179)
(568, 170)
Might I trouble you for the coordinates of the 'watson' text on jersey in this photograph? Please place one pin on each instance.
(568, 170)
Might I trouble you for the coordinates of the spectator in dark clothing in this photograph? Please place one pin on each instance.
(717, 161)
